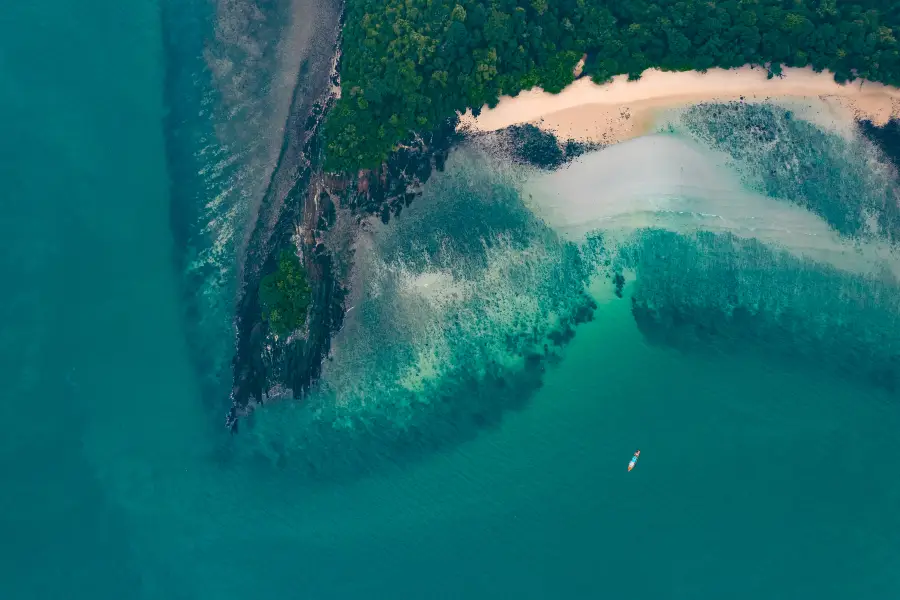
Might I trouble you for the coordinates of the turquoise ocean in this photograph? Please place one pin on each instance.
(721, 294)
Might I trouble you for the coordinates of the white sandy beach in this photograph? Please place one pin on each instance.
(621, 109)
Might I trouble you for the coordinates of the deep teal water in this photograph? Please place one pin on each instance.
(763, 474)
(88, 284)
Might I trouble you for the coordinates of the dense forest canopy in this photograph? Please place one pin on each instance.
(409, 64)
(284, 295)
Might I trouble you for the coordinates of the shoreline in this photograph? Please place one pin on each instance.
(622, 109)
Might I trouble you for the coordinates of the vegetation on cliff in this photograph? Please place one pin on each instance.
(407, 65)
(284, 295)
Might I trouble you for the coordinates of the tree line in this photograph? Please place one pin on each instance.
(407, 65)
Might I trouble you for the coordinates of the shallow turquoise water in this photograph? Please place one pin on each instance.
(749, 484)
(759, 476)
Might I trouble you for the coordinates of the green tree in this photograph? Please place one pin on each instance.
(408, 64)
(558, 72)
(284, 295)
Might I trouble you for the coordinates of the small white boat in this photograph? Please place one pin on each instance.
(634, 460)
